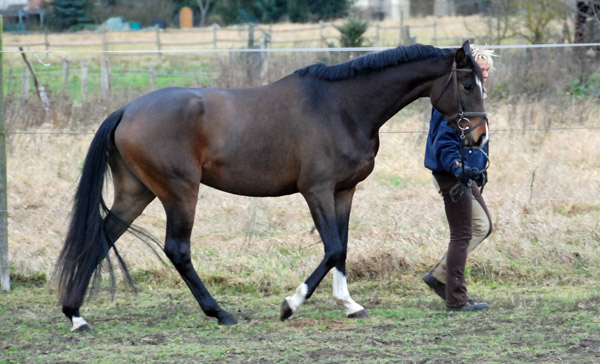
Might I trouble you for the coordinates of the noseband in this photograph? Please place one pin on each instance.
(462, 117)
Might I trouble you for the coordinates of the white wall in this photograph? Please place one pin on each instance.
(392, 8)
(444, 8)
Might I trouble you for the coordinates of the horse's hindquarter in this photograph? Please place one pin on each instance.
(239, 141)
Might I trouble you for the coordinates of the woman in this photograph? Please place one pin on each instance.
(466, 212)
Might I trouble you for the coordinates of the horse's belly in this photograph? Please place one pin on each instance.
(258, 184)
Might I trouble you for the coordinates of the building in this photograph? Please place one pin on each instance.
(394, 9)
(22, 14)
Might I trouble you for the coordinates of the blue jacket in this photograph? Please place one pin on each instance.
(442, 153)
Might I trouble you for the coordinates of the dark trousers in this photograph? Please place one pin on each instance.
(460, 216)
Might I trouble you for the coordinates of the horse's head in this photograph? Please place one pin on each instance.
(458, 95)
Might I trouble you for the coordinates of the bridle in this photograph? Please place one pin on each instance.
(462, 117)
(464, 125)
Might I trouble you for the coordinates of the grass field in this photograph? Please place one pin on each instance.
(407, 324)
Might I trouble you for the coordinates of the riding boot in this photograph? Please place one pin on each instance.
(456, 288)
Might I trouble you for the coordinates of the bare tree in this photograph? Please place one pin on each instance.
(204, 7)
(535, 18)
(501, 18)
(531, 20)
(587, 21)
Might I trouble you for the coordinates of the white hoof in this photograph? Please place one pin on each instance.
(79, 325)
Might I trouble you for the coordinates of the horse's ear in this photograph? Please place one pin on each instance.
(461, 54)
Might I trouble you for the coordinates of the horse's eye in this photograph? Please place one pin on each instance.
(468, 87)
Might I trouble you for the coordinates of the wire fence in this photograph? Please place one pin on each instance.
(149, 72)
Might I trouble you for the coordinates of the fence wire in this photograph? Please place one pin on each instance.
(48, 53)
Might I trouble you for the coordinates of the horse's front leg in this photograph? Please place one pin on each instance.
(322, 205)
(343, 205)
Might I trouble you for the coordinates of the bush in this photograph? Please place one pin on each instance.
(351, 33)
(591, 86)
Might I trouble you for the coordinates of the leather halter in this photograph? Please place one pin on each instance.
(462, 117)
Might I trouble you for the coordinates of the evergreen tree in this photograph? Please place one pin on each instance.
(329, 9)
(352, 32)
(298, 11)
(70, 14)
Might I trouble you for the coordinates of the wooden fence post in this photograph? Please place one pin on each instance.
(215, 26)
(152, 78)
(104, 40)
(25, 84)
(406, 35)
(39, 90)
(84, 75)
(4, 263)
(65, 76)
(105, 76)
(158, 45)
(321, 34)
(400, 33)
(251, 36)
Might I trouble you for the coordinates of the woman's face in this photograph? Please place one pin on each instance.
(485, 69)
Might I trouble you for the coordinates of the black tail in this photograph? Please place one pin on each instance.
(87, 243)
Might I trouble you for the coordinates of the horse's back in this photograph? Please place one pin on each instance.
(243, 141)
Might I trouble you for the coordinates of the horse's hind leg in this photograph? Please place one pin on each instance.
(130, 199)
(180, 207)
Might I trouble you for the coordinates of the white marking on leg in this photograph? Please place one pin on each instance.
(340, 292)
(298, 298)
(78, 322)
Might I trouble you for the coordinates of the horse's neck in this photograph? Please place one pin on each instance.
(374, 98)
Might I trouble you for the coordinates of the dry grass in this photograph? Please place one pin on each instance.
(542, 196)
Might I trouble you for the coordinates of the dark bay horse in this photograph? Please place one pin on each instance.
(314, 132)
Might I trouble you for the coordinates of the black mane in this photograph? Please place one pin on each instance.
(374, 61)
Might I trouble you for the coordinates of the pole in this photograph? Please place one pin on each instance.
(4, 264)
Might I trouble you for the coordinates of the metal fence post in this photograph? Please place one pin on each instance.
(4, 263)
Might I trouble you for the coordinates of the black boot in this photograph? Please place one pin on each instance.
(438, 287)
(470, 306)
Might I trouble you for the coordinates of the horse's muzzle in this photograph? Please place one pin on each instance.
(475, 137)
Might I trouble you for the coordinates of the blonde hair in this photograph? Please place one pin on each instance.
(483, 53)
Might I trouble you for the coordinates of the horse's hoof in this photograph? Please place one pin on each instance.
(82, 328)
(286, 311)
(228, 320)
(359, 314)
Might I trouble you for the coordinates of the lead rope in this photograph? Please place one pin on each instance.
(463, 186)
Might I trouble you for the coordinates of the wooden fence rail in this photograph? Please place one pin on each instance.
(387, 33)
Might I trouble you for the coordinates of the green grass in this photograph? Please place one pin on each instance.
(408, 324)
(125, 77)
